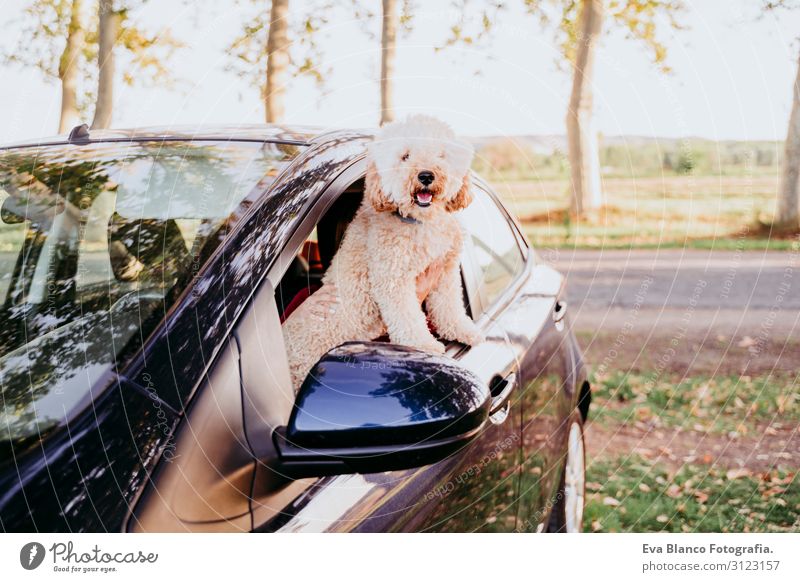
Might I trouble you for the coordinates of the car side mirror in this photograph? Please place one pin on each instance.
(368, 407)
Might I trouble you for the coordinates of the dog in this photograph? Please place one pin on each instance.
(417, 177)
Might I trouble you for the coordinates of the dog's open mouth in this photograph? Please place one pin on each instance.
(423, 198)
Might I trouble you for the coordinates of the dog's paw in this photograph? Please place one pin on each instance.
(432, 347)
(471, 337)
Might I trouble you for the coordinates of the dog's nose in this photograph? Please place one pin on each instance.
(425, 177)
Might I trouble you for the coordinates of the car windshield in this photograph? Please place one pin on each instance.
(96, 244)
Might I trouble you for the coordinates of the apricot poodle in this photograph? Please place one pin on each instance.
(417, 177)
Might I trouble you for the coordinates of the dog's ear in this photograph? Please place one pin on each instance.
(374, 192)
(463, 197)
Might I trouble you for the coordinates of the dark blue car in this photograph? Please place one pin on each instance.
(144, 276)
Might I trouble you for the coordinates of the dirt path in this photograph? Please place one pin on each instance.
(770, 449)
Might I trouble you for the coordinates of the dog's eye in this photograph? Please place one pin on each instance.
(404, 157)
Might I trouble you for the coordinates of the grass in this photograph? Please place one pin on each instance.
(632, 494)
(719, 404)
(724, 212)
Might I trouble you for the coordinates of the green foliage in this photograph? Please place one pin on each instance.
(720, 404)
(43, 28)
(249, 48)
(517, 159)
(42, 31)
(514, 159)
(467, 29)
(636, 18)
(148, 52)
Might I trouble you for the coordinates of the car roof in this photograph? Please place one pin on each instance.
(294, 134)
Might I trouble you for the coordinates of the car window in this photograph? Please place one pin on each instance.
(96, 244)
(494, 247)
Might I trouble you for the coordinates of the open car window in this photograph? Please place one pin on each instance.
(305, 270)
(493, 246)
(96, 244)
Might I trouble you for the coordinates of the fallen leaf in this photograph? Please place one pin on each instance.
(592, 486)
(746, 342)
(674, 491)
(666, 451)
(662, 519)
(644, 487)
(738, 473)
(610, 501)
(596, 526)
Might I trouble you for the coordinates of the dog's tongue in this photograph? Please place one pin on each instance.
(424, 197)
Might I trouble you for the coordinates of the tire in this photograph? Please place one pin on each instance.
(567, 513)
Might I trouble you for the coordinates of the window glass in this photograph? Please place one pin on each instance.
(96, 244)
(494, 247)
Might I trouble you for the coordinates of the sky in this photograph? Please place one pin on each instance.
(732, 75)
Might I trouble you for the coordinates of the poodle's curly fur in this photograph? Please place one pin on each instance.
(393, 238)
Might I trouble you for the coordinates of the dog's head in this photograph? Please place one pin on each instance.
(418, 165)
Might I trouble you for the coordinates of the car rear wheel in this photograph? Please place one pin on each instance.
(567, 514)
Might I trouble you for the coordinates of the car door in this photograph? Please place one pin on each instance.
(474, 489)
(532, 318)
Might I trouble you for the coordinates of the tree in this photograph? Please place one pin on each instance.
(68, 69)
(392, 21)
(61, 40)
(51, 34)
(788, 212)
(277, 61)
(584, 159)
(146, 54)
(265, 54)
(577, 26)
(108, 25)
(388, 49)
(578, 33)
(787, 215)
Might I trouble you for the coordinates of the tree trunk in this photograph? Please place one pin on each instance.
(277, 61)
(388, 48)
(787, 215)
(584, 157)
(68, 70)
(107, 33)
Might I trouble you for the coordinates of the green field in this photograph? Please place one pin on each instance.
(630, 493)
(693, 453)
(658, 192)
(731, 212)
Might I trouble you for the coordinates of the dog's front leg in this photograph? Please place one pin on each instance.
(397, 301)
(445, 305)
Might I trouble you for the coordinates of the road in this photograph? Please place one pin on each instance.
(730, 291)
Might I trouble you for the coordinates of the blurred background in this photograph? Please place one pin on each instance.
(664, 92)
(650, 148)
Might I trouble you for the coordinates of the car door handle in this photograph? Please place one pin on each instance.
(559, 313)
(501, 390)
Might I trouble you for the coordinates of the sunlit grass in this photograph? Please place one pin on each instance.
(719, 404)
(672, 211)
(630, 493)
